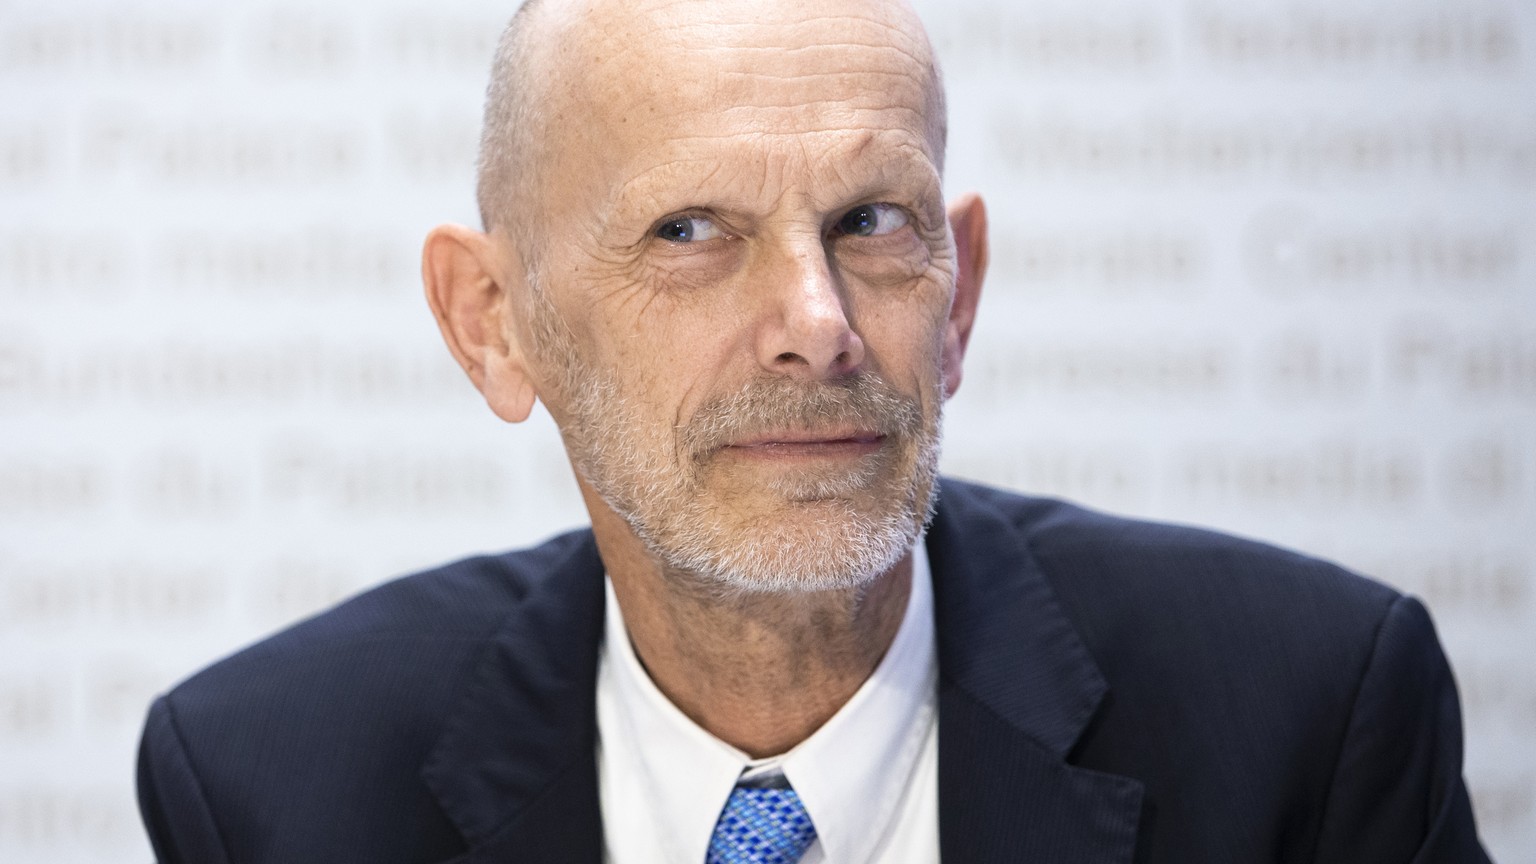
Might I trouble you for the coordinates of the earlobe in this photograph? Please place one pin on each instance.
(509, 392)
(968, 222)
(465, 278)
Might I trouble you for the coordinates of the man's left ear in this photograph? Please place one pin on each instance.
(968, 222)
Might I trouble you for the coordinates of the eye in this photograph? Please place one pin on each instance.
(868, 220)
(688, 229)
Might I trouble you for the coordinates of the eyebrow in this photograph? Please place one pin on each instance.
(905, 170)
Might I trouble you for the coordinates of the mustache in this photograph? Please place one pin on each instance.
(778, 404)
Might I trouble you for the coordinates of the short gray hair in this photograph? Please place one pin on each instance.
(503, 178)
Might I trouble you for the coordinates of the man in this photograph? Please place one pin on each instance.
(716, 250)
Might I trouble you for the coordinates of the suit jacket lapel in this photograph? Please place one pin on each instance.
(516, 768)
(1016, 690)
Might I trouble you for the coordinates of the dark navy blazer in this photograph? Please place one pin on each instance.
(1109, 691)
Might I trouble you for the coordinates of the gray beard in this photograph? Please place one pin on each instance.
(821, 541)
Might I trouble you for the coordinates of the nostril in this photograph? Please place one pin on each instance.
(788, 357)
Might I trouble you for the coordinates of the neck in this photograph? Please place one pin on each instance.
(760, 672)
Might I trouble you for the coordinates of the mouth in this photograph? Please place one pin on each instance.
(799, 445)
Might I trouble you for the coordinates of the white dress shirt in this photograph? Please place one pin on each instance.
(868, 777)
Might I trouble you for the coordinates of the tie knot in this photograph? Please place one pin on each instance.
(761, 826)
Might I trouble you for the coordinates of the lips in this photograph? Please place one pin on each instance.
(783, 417)
(798, 446)
(810, 438)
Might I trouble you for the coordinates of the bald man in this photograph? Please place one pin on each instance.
(716, 250)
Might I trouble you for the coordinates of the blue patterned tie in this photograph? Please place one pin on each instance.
(761, 826)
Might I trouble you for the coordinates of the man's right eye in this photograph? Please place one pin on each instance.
(688, 229)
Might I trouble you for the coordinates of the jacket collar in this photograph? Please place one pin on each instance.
(516, 769)
(1017, 688)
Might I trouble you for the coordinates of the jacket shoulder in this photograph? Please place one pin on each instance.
(1194, 621)
(346, 706)
(411, 625)
(1099, 564)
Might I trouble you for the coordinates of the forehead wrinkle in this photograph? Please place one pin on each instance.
(842, 60)
(879, 152)
(780, 91)
(707, 50)
(661, 183)
(911, 54)
(837, 123)
(845, 144)
(840, 23)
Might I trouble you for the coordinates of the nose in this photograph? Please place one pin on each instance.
(807, 330)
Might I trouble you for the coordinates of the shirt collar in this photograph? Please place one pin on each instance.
(851, 773)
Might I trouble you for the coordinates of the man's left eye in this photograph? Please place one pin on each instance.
(688, 229)
(868, 220)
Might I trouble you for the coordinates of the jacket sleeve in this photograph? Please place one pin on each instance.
(1397, 793)
(175, 812)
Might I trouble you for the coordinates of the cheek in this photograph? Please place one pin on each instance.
(905, 340)
(888, 263)
(692, 276)
(910, 319)
(901, 292)
(683, 331)
(664, 365)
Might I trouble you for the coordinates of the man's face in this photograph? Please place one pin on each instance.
(743, 279)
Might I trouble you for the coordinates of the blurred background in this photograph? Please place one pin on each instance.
(1269, 267)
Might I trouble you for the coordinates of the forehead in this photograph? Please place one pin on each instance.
(771, 58)
(691, 81)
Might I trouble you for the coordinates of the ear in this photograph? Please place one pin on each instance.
(465, 273)
(968, 222)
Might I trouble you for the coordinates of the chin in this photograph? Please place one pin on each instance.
(792, 560)
(805, 541)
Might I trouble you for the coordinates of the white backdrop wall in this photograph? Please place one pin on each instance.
(1269, 267)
